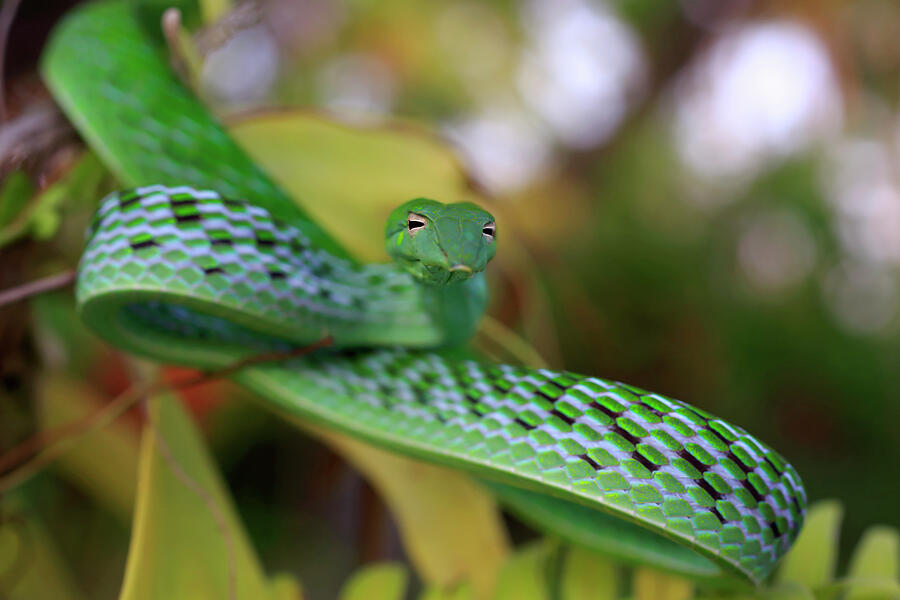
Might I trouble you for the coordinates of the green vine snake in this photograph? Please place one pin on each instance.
(205, 261)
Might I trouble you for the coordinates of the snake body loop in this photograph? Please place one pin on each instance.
(179, 273)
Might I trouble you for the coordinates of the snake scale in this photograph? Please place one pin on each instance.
(205, 261)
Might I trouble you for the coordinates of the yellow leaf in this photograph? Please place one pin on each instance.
(878, 554)
(379, 582)
(524, 576)
(875, 567)
(588, 576)
(451, 529)
(349, 179)
(187, 541)
(650, 584)
(284, 587)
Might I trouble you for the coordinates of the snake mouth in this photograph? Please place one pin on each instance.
(463, 268)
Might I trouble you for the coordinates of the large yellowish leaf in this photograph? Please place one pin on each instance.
(378, 582)
(587, 575)
(103, 463)
(451, 529)
(524, 576)
(650, 584)
(187, 541)
(812, 559)
(349, 179)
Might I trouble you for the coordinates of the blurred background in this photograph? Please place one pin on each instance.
(707, 193)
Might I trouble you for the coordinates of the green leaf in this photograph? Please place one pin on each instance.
(812, 560)
(40, 215)
(187, 541)
(14, 195)
(379, 582)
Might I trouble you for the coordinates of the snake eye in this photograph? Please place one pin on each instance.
(489, 230)
(414, 223)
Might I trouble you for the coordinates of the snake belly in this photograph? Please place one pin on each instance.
(179, 273)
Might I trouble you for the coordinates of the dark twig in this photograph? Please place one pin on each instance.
(39, 286)
(48, 440)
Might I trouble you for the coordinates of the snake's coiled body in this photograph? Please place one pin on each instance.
(182, 274)
(252, 271)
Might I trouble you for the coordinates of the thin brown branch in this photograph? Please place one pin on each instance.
(57, 441)
(53, 443)
(39, 286)
(44, 439)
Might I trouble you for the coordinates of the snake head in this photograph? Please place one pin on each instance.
(440, 243)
